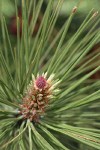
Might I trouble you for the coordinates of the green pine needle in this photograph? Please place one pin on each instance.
(71, 120)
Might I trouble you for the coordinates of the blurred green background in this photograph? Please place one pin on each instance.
(84, 6)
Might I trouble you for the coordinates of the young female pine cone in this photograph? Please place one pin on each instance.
(37, 96)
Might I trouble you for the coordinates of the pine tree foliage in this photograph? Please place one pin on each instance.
(71, 119)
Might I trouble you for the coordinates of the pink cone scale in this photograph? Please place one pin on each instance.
(37, 96)
(41, 82)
